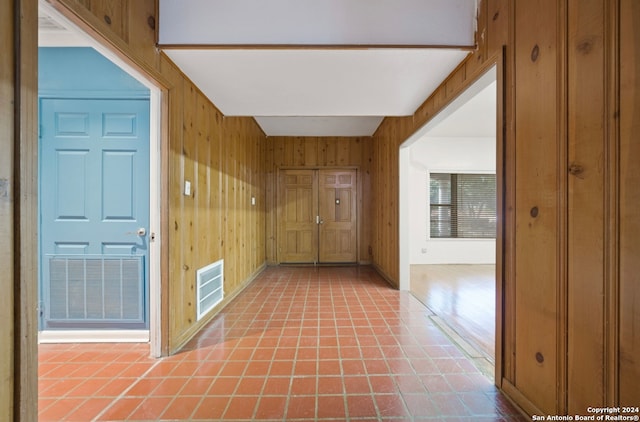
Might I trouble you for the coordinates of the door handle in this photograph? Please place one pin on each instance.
(319, 220)
(140, 232)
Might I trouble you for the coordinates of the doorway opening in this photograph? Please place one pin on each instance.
(99, 176)
(448, 217)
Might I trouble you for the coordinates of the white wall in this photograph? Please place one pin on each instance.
(446, 155)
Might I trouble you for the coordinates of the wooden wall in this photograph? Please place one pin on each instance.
(221, 157)
(567, 265)
(623, 238)
(318, 152)
(7, 206)
(18, 210)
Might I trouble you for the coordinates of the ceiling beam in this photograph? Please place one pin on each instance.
(317, 23)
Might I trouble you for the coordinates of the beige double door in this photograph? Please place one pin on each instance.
(318, 216)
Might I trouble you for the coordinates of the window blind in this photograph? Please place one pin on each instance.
(462, 205)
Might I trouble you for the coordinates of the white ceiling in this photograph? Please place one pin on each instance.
(325, 125)
(328, 82)
(310, 67)
(317, 67)
(317, 22)
(475, 118)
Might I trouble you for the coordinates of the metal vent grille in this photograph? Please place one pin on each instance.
(95, 289)
(46, 23)
(210, 289)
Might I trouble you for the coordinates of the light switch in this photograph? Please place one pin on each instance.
(187, 188)
(253, 200)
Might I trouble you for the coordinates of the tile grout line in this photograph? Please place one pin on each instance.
(126, 390)
(378, 325)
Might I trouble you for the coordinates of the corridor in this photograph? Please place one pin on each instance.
(304, 343)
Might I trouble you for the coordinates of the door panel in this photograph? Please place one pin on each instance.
(298, 232)
(338, 231)
(317, 220)
(94, 188)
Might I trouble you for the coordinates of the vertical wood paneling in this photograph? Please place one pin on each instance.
(505, 169)
(538, 188)
(18, 210)
(546, 245)
(187, 229)
(216, 174)
(175, 197)
(545, 288)
(202, 184)
(612, 261)
(629, 214)
(586, 138)
(497, 25)
(505, 264)
(242, 203)
(142, 30)
(229, 188)
(310, 152)
(114, 13)
(221, 157)
(385, 239)
(7, 87)
(482, 32)
(270, 169)
(365, 202)
(25, 287)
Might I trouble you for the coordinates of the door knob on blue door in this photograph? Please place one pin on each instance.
(140, 232)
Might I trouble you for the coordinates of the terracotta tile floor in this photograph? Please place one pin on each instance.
(298, 344)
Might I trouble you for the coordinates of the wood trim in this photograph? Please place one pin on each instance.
(318, 168)
(313, 46)
(562, 197)
(509, 329)
(538, 200)
(165, 176)
(521, 402)
(612, 204)
(8, 88)
(385, 276)
(156, 28)
(26, 210)
(627, 120)
(502, 245)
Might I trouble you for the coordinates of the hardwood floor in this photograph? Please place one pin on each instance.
(463, 296)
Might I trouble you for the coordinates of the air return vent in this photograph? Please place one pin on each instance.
(210, 290)
(106, 291)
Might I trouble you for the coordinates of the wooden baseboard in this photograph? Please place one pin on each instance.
(195, 328)
(518, 399)
(386, 277)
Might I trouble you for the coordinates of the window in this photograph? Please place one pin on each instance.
(462, 205)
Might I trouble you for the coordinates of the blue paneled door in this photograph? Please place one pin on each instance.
(94, 213)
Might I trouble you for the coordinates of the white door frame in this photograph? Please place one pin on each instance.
(153, 336)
